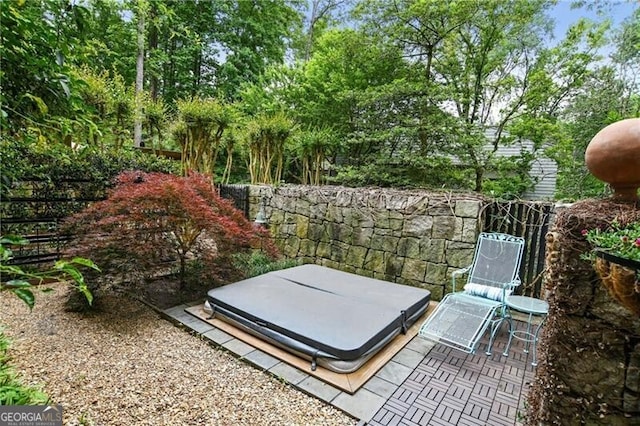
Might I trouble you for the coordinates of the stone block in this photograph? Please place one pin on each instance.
(437, 291)
(362, 236)
(307, 248)
(381, 219)
(432, 249)
(356, 256)
(468, 208)
(459, 255)
(318, 211)
(384, 243)
(302, 226)
(443, 227)
(339, 252)
(347, 268)
(417, 204)
(334, 214)
(291, 246)
(418, 226)
(303, 206)
(470, 231)
(436, 273)
(409, 247)
(414, 269)
(276, 216)
(396, 225)
(330, 264)
(440, 207)
(323, 250)
(396, 202)
(344, 197)
(289, 205)
(393, 265)
(396, 215)
(374, 261)
(317, 232)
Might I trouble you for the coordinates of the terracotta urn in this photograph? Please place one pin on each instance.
(613, 156)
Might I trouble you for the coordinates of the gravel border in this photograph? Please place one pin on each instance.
(126, 365)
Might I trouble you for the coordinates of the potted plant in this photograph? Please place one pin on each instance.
(616, 257)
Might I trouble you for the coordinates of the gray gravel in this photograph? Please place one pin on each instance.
(127, 366)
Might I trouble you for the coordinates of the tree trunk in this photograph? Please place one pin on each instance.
(137, 129)
(153, 46)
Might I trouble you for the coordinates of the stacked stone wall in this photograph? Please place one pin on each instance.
(409, 237)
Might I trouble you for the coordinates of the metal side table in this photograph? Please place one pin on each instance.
(535, 308)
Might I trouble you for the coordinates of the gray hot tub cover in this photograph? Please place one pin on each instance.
(332, 317)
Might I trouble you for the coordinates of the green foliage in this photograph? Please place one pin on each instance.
(30, 158)
(407, 172)
(267, 136)
(258, 263)
(35, 78)
(622, 241)
(20, 282)
(110, 109)
(313, 148)
(511, 177)
(254, 35)
(199, 131)
(12, 390)
(407, 84)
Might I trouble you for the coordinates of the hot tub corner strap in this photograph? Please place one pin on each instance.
(403, 319)
(314, 361)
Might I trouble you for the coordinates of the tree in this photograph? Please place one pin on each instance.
(266, 138)
(610, 93)
(35, 63)
(153, 221)
(313, 148)
(141, 12)
(480, 70)
(202, 124)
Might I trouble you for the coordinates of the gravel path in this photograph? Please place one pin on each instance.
(127, 366)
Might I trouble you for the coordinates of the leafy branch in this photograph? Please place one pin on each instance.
(21, 282)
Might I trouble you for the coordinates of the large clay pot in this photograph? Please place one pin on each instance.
(613, 156)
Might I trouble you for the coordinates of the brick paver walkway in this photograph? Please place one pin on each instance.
(450, 387)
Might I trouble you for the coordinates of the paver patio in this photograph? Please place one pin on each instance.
(423, 384)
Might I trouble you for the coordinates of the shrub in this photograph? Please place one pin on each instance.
(258, 263)
(12, 390)
(154, 223)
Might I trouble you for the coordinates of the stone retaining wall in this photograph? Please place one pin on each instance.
(409, 237)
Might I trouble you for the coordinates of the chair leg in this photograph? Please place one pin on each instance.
(494, 330)
(506, 349)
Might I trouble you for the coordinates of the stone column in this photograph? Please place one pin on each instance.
(588, 371)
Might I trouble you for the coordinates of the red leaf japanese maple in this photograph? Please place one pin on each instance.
(151, 221)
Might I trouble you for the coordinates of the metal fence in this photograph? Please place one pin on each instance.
(239, 194)
(33, 210)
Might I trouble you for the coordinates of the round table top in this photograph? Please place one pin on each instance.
(530, 305)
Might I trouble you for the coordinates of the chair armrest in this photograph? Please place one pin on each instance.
(457, 273)
(513, 284)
